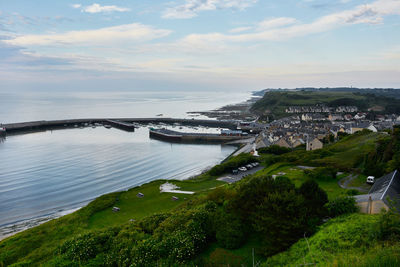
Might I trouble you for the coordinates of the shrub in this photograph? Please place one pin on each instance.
(222, 257)
(389, 225)
(341, 205)
(274, 149)
(230, 233)
(322, 173)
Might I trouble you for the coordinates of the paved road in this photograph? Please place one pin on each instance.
(232, 178)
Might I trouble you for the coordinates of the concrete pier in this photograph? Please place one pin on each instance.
(181, 137)
(126, 126)
(32, 126)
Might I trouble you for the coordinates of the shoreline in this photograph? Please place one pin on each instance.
(11, 229)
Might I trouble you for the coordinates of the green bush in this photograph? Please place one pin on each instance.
(322, 173)
(274, 149)
(389, 225)
(341, 205)
(230, 232)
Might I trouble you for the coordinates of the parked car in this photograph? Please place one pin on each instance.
(242, 169)
(370, 180)
(255, 164)
(249, 166)
(235, 171)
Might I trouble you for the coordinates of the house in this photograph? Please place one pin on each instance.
(384, 194)
(282, 142)
(348, 117)
(314, 144)
(306, 117)
(335, 117)
(297, 142)
(360, 116)
(361, 126)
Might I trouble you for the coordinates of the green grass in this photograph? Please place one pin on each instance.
(39, 243)
(298, 177)
(244, 254)
(133, 207)
(348, 240)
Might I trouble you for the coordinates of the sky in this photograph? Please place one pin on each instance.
(238, 45)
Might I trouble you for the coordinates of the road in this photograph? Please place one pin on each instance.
(232, 178)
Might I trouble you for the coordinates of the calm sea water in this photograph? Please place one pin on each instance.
(30, 106)
(45, 174)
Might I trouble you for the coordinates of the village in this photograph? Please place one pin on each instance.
(313, 126)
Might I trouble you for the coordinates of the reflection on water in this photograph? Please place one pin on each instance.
(48, 172)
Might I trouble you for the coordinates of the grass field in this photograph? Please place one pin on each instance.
(38, 244)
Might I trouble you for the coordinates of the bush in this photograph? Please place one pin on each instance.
(322, 173)
(341, 205)
(389, 225)
(222, 257)
(274, 149)
(230, 233)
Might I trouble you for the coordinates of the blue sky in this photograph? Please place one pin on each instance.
(198, 44)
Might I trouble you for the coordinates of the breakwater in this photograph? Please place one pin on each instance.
(32, 126)
(174, 136)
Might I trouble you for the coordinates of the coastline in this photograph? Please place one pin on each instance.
(11, 229)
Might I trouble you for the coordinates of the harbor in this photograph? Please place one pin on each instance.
(127, 124)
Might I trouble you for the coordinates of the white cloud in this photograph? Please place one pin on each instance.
(97, 8)
(191, 7)
(275, 23)
(282, 28)
(135, 32)
(240, 29)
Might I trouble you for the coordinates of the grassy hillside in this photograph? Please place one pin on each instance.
(50, 243)
(275, 103)
(350, 240)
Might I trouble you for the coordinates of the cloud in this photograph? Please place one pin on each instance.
(191, 8)
(135, 32)
(282, 29)
(275, 23)
(12, 56)
(240, 29)
(97, 8)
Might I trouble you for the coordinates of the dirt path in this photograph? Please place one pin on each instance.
(344, 183)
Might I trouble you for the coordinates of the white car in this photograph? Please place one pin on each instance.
(370, 180)
(242, 169)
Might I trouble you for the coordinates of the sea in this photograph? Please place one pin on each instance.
(45, 175)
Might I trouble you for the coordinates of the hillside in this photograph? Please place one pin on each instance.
(350, 240)
(155, 230)
(274, 103)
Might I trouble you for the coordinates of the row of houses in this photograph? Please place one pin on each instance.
(293, 133)
(346, 117)
(321, 109)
